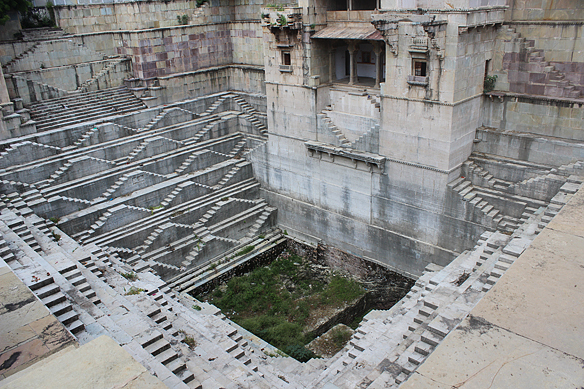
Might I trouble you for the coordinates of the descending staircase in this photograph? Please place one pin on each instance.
(81, 107)
(542, 78)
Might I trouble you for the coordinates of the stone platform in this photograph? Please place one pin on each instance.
(28, 330)
(101, 363)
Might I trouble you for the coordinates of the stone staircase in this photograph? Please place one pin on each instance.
(535, 75)
(342, 141)
(102, 73)
(20, 56)
(147, 319)
(375, 101)
(76, 108)
(42, 33)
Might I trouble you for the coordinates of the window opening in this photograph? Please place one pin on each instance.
(286, 59)
(420, 68)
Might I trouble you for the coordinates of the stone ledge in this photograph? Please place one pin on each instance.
(535, 99)
(354, 155)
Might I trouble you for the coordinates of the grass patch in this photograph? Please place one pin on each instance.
(129, 276)
(340, 337)
(133, 290)
(190, 341)
(275, 301)
(244, 251)
(56, 236)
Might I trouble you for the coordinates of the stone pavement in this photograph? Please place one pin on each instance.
(28, 330)
(101, 363)
(527, 331)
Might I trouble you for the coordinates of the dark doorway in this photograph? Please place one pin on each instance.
(347, 63)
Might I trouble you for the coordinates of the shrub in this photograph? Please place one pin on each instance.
(282, 21)
(182, 19)
(54, 219)
(489, 83)
(300, 353)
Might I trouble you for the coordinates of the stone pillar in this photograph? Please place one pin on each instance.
(352, 49)
(332, 64)
(378, 49)
(4, 97)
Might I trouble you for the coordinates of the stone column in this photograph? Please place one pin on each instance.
(352, 49)
(4, 97)
(332, 64)
(378, 49)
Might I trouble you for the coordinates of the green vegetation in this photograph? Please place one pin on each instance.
(278, 7)
(182, 19)
(155, 207)
(340, 337)
(489, 83)
(55, 220)
(200, 3)
(56, 236)
(274, 302)
(35, 17)
(190, 341)
(7, 6)
(244, 250)
(196, 307)
(133, 290)
(282, 21)
(129, 276)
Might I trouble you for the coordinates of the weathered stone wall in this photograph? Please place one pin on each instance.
(534, 114)
(540, 59)
(177, 87)
(560, 41)
(178, 49)
(137, 15)
(54, 53)
(528, 147)
(545, 10)
(155, 52)
(68, 78)
(404, 218)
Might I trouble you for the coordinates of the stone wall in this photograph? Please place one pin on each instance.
(560, 41)
(136, 15)
(545, 10)
(69, 78)
(534, 114)
(177, 87)
(48, 54)
(538, 59)
(528, 147)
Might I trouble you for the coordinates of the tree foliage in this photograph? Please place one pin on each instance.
(12, 5)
